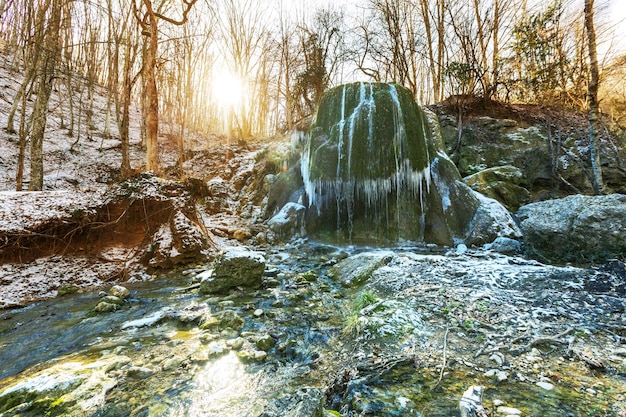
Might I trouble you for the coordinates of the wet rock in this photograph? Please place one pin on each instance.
(289, 221)
(355, 270)
(235, 344)
(217, 348)
(265, 343)
(307, 402)
(576, 228)
(139, 372)
(235, 267)
(170, 364)
(229, 319)
(111, 299)
(119, 291)
(252, 356)
(104, 307)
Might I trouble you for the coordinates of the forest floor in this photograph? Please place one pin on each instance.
(81, 161)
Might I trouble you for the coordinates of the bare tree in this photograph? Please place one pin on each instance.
(594, 107)
(45, 78)
(148, 18)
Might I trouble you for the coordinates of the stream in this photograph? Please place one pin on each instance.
(357, 331)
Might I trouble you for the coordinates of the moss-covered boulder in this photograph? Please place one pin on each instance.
(374, 170)
(504, 183)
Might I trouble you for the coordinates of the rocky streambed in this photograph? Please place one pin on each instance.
(330, 331)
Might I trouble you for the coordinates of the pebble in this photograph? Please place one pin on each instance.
(216, 348)
(545, 385)
(265, 343)
(509, 411)
(500, 375)
(104, 307)
(119, 291)
(462, 248)
(498, 358)
(235, 344)
(258, 312)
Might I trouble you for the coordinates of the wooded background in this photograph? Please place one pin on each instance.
(168, 55)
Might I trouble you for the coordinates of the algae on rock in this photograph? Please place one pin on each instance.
(374, 170)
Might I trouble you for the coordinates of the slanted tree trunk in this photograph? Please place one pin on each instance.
(594, 105)
(45, 79)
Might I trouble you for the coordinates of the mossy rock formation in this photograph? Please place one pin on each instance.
(375, 171)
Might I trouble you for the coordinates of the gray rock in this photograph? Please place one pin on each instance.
(235, 267)
(229, 319)
(356, 269)
(265, 343)
(505, 246)
(289, 221)
(104, 307)
(490, 222)
(307, 402)
(119, 291)
(139, 372)
(111, 299)
(577, 228)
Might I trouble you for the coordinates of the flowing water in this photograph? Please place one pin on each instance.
(376, 349)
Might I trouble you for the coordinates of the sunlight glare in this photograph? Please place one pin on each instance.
(228, 89)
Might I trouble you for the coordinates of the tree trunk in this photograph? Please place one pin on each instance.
(45, 78)
(152, 97)
(19, 177)
(594, 110)
(126, 169)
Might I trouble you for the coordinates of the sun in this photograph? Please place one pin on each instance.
(228, 89)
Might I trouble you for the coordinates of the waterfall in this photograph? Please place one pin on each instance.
(381, 164)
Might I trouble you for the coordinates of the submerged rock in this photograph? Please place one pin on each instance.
(307, 402)
(577, 228)
(235, 267)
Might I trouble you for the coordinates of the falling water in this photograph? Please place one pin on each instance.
(379, 165)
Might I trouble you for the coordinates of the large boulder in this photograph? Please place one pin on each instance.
(577, 228)
(375, 171)
(234, 267)
(289, 221)
(504, 183)
(355, 270)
